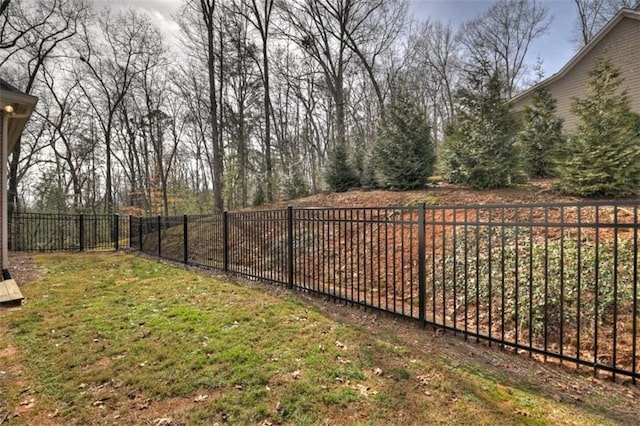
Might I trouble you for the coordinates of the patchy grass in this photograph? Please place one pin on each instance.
(116, 339)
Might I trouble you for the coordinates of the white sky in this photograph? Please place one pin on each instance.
(555, 48)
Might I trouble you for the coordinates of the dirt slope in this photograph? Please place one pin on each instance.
(440, 193)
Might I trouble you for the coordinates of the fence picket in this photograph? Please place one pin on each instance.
(558, 280)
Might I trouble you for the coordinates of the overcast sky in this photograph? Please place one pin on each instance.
(555, 48)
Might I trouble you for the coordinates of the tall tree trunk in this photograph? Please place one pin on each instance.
(267, 120)
(207, 9)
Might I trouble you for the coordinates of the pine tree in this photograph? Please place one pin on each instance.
(339, 173)
(403, 155)
(602, 157)
(295, 184)
(479, 149)
(541, 133)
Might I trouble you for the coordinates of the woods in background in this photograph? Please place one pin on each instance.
(253, 100)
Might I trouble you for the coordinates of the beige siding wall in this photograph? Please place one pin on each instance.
(622, 46)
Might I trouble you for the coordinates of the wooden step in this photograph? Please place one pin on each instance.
(9, 292)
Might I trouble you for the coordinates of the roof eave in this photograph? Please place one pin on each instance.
(623, 13)
(23, 106)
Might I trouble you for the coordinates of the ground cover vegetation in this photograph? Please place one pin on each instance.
(110, 339)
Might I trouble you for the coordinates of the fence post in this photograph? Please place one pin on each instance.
(130, 230)
(81, 232)
(225, 241)
(159, 236)
(422, 273)
(185, 240)
(290, 246)
(116, 231)
(140, 231)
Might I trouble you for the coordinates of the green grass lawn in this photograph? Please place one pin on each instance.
(117, 339)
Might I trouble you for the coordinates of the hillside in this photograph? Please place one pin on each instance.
(439, 193)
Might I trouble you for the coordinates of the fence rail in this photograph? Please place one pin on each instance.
(47, 232)
(558, 281)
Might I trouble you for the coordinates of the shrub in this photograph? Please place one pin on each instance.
(479, 149)
(403, 154)
(295, 184)
(541, 133)
(339, 173)
(602, 157)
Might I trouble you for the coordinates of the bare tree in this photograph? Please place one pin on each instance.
(499, 38)
(373, 30)
(320, 31)
(33, 32)
(159, 123)
(259, 13)
(593, 15)
(435, 66)
(190, 83)
(199, 25)
(64, 112)
(241, 99)
(107, 69)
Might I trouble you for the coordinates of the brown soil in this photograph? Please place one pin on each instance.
(439, 193)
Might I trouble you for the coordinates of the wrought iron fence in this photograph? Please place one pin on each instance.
(48, 232)
(556, 281)
(559, 281)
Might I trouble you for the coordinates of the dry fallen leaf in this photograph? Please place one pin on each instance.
(28, 402)
(424, 380)
(200, 398)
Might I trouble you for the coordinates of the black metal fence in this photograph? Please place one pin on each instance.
(555, 281)
(48, 232)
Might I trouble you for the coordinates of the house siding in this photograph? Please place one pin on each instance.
(622, 47)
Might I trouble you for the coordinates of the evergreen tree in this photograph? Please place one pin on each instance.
(295, 183)
(339, 173)
(479, 149)
(403, 155)
(541, 133)
(602, 157)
